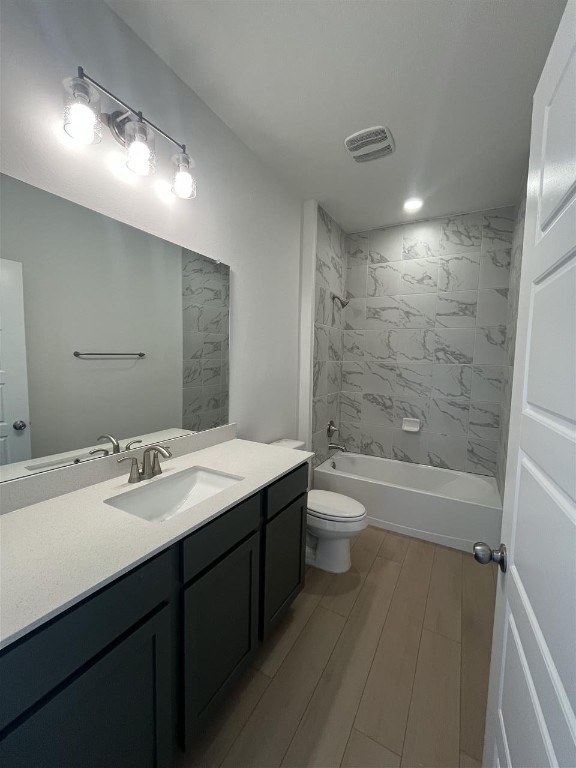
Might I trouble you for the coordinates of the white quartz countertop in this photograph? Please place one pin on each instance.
(55, 553)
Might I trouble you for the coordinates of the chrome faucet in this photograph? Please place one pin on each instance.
(336, 447)
(113, 440)
(150, 463)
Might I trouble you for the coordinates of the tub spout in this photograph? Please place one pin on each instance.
(336, 447)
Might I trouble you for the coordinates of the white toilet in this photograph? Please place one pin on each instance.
(331, 522)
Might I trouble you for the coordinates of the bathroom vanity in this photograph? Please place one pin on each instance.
(118, 675)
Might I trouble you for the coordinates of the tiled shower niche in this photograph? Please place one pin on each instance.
(424, 336)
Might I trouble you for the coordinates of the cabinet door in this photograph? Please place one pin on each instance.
(285, 549)
(117, 712)
(220, 630)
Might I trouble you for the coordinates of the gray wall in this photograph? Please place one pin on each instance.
(92, 283)
(205, 312)
(243, 215)
(424, 337)
(512, 316)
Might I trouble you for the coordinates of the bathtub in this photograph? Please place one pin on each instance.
(440, 505)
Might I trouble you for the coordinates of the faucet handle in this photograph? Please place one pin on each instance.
(103, 451)
(331, 428)
(134, 476)
(131, 443)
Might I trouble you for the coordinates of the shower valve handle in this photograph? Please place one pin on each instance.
(332, 428)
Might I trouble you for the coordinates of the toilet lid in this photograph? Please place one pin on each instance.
(334, 505)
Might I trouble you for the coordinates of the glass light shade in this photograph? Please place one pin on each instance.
(413, 204)
(81, 111)
(183, 176)
(140, 152)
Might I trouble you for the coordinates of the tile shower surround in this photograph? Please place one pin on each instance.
(424, 336)
(205, 302)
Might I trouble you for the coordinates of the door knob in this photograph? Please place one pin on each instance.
(484, 555)
(19, 425)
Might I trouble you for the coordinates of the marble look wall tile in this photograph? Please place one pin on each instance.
(379, 378)
(351, 436)
(449, 417)
(215, 346)
(333, 407)
(413, 379)
(492, 307)
(421, 239)
(487, 383)
(192, 373)
(350, 406)
(489, 345)
(510, 344)
(481, 457)
(377, 409)
(319, 378)
(203, 319)
(384, 279)
(333, 378)
(381, 345)
(320, 447)
(211, 372)
(353, 345)
(416, 346)
(411, 407)
(462, 233)
(456, 309)
(484, 421)
(382, 313)
(352, 376)
(211, 398)
(445, 452)
(335, 344)
(321, 316)
(416, 311)
(495, 268)
(319, 413)
(452, 381)
(355, 315)
(419, 276)
(192, 402)
(498, 225)
(385, 245)
(356, 277)
(408, 446)
(459, 272)
(357, 249)
(454, 345)
(193, 344)
(321, 336)
(376, 440)
(197, 265)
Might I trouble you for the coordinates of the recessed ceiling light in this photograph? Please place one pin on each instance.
(413, 204)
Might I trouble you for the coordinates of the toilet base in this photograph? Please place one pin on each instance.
(332, 555)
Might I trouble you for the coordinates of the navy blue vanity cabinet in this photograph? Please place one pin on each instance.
(221, 576)
(93, 687)
(284, 546)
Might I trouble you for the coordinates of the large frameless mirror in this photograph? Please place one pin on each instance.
(105, 331)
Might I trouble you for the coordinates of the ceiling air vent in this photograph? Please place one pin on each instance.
(370, 144)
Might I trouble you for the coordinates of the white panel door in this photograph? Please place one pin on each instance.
(532, 700)
(14, 413)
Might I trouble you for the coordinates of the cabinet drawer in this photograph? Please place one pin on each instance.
(212, 541)
(34, 666)
(285, 490)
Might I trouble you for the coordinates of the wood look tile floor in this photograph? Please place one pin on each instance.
(386, 665)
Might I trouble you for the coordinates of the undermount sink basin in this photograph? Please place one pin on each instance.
(162, 498)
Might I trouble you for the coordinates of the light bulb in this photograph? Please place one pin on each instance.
(413, 204)
(81, 111)
(183, 181)
(139, 148)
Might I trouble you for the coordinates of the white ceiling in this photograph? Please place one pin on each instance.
(452, 79)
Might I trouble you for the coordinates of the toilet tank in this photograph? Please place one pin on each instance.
(287, 442)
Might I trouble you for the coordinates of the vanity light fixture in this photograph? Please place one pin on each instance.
(413, 204)
(83, 122)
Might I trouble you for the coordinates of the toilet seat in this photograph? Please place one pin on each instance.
(326, 505)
